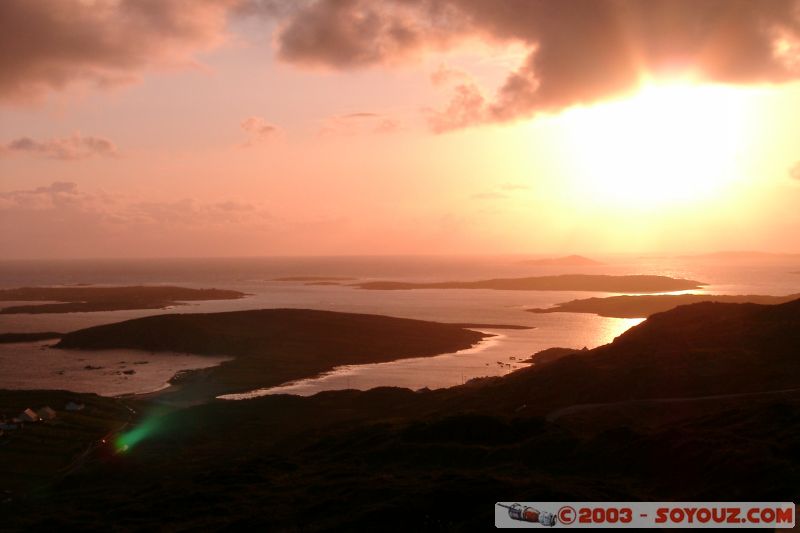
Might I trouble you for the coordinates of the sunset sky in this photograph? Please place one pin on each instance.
(244, 127)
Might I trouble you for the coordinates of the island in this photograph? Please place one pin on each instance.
(273, 346)
(643, 306)
(82, 299)
(569, 260)
(565, 282)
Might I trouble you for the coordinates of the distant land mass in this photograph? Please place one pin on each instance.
(569, 260)
(741, 255)
(81, 299)
(644, 306)
(493, 326)
(28, 337)
(711, 387)
(565, 282)
(273, 346)
(313, 278)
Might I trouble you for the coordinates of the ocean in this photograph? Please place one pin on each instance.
(35, 365)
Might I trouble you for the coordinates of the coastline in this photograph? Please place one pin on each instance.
(305, 386)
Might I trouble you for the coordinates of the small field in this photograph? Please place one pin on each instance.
(38, 452)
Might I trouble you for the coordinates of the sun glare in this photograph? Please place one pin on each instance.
(668, 144)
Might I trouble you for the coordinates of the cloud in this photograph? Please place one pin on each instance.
(63, 220)
(467, 107)
(357, 123)
(258, 129)
(445, 75)
(500, 192)
(514, 187)
(69, 148)
(352, 33)
(579, 51)
(51, 44)
(57, 194)
(489, 196)
(63, 201)
(794, 172)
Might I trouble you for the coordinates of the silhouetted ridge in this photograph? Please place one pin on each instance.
(695, 350)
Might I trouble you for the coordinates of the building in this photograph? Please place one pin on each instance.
(74, 406)
(29, 415)
(46, 413)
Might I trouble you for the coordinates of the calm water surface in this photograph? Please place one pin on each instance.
(32, 365)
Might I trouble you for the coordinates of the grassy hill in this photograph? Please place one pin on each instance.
(668, 412)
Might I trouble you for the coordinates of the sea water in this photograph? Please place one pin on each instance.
(37, 365)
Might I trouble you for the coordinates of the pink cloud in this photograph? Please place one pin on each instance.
(357, 123)
(258, 129)
(69, 148)
(51, 44)
(579, 51)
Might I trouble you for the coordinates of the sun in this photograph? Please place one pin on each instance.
(667, 144)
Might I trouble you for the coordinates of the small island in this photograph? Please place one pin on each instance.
(82, 299)
(644, 306)
(273, 346)
(565, 282)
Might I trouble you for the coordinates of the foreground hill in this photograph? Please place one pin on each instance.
(81, 299)
(643, 306)
(273, 346)
(695, 350)
(565, 282)
(696, 404)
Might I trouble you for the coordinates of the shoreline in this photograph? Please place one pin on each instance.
(343, 371)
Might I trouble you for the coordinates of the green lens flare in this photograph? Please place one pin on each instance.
(145, 429)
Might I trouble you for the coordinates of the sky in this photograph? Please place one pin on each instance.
(171, 128)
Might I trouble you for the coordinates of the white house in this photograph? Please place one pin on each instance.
(29, 415)
(46, 413)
